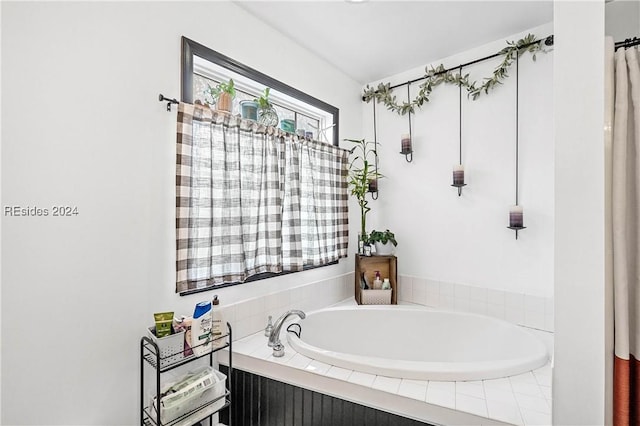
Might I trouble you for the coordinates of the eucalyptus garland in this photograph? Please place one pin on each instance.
(436, 76)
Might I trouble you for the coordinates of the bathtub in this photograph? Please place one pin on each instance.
(418, 343)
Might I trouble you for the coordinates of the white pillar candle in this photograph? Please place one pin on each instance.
(458, 174)
(516, 217)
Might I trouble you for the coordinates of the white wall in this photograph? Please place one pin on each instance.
(464, 240)
(579, 370)
(83, 127)
(622, 19)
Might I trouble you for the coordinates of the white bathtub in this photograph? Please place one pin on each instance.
(417, 343)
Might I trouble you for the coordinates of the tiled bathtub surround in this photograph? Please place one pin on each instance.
(250, 316)
(529, 311)
(524, 399)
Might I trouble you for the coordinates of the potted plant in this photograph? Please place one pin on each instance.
(361, 171)
(222, 95)
(266, 113)
(384, 241)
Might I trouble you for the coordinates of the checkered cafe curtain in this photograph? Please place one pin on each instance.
(253, 199)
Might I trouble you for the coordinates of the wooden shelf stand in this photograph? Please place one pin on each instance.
(368, 265)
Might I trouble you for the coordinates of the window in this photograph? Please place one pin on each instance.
(254, 202)
(202, 66)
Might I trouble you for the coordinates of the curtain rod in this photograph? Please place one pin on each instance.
(162, 98)
(548, 41)
(628, 42)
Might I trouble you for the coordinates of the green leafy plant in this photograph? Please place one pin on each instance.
(222, 87)
(263, 101)
(361, 170)
(383, 237)
(436, 76)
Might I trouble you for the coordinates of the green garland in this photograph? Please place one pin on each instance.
(436, 76)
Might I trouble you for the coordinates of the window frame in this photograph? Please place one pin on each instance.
(191, 48)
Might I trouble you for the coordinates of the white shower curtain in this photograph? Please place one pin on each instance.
(623, 183)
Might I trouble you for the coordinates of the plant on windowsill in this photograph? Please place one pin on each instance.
(222, 95)
(266, 113)
(361, 171)
(384, 241)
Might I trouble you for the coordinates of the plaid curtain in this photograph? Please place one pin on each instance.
(253, 199)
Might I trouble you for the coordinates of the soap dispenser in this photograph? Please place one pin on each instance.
(377, 282)
(268, 328)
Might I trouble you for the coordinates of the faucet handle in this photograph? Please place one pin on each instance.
(278, 350)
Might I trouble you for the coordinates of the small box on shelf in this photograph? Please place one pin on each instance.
(367, 266)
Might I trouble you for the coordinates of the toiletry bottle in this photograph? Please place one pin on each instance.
(201, 329)
(386, 285)
(377, 282)
(218, 326)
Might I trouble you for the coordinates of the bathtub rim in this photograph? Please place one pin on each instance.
(438, 371)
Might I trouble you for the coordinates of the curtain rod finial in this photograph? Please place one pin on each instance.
(549, 41)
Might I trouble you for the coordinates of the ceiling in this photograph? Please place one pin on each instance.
(375, 39)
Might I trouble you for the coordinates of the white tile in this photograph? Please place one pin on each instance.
(500, 395)
(249, 325)
(419, 291)
(461, 291)
(534, 319)
(531, 389)
(250, 343)
(533, 403)
(433, 286)
(534, 303)
(509, 413)
(405, 288)
(472, 405)
(318, 367)
(338, 373)
(299, 361)
(527, 377)
(496, 311)
(542, 378)
(433, 297)
(515, 316)
(299, 294)
(447, 302)
(447, 289)
(443, 386)
(477, 307)
(359, 378)
(478, 294)
(495, 296)
(549, 322)
(534, 418)
(514, 300)
(548, 305)
(546, 392)
(502, 383)
(254, 306)
(387, 384)
(461, 305)
(413, 389)
(277, 300)
(475, 389)
(441, 397)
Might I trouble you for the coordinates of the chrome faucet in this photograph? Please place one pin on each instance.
(274, 337)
